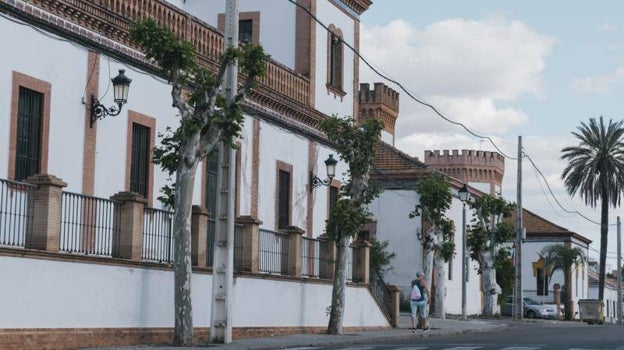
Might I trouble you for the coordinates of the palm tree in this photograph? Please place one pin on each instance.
(561, 257)
(595, 170)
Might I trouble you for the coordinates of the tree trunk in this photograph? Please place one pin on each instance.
(340, 281)
(491, 289)
(569, 307)
(185, 180)
(439, 310)
(604, 230)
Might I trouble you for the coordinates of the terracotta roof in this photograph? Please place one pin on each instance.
(389, 159)
(536, 226)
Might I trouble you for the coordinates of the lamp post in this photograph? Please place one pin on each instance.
(121, 85)
(330, 165)
(463, 197)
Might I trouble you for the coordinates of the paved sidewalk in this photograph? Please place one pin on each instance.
(438, 327)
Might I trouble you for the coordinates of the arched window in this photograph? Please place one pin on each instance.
(335, 60)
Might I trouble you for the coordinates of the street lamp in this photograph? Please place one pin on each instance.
(330, 165)
(121, 85)
(463, 197)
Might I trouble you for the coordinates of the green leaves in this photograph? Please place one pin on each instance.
(356, 146)
(488, 230)
(206, 115)
(161, 45)
(435, 199)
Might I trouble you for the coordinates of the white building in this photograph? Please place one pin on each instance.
(77, 282)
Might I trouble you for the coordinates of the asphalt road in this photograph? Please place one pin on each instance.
(519, 336)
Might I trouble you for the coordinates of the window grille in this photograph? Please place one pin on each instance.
(284, 200)
(139, 171)
(245, 30)
(29, 128)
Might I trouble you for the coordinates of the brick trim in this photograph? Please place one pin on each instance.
(312, 154)
(255, 167)
(45, 88)
(90, 133)
(305, 45)
(138, 118)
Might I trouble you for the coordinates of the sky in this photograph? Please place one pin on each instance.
(504, 69)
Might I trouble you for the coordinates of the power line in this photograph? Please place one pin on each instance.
(426, 104)
(555, 198)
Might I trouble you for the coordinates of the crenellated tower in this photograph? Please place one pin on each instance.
(470, 166)
(381, 103)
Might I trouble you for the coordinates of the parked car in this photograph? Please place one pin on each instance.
(530, 308)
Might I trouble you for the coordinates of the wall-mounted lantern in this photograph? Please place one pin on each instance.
(121, 85)
(330, 164)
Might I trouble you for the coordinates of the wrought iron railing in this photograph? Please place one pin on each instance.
(311, 251)
(239, 243)
(88, 224)
(157, 235)
(382, 294)
(272, 252)
(15, 215)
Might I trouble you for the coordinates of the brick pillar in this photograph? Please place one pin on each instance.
(395, 303)
(199, 235)
(557, 297)
(251, 234)
(46, 203)
(293, 265)
(128, 243)
(327, 256)
(362, 267)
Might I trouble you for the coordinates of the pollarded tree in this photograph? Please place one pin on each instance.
(559, 257)
(438, 239)
(595, 171)
(207, 117)
(356, 146)
(487, 235)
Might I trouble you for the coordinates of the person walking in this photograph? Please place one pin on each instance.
(418, 302)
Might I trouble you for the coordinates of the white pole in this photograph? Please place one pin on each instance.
(518, 260)
(464, 269)
(223, 264)
(619, 271)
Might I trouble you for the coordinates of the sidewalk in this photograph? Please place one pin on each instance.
(438, 327)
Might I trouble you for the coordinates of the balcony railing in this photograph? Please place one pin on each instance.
(157, 235)
(88, 224)
(272, 252)
(113, 19)
(15, 216)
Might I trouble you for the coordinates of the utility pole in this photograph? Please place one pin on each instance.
(619, 271)
(519, 237)
(223, 264)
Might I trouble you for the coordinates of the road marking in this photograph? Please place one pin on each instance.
(522, 348)
(464, 348)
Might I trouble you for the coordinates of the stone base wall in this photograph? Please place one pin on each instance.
(77, 338)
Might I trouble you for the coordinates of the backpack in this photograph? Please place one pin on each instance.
(416, 294)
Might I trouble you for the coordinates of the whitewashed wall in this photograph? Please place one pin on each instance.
(40, 293)
(277, 23)
(326, 102)
(149, 96)
(64, 66)
(401, 232)
(454, 285)
(530, 255)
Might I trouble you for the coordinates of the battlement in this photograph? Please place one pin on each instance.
(381, 94)
(470, 166)
(466, 158)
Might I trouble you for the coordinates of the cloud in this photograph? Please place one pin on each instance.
(601, 84)
(468, 69)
